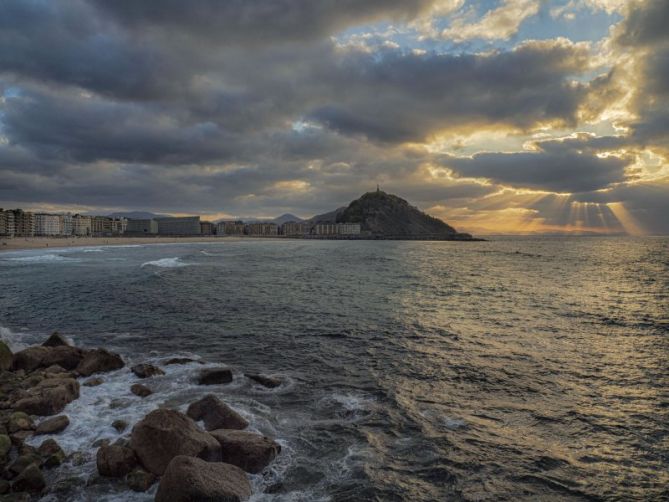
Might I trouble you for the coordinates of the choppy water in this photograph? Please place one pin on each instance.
(524, 369)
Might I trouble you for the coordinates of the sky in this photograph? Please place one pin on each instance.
(498, 116)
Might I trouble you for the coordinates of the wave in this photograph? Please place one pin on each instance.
(44, 258)
(166, 263)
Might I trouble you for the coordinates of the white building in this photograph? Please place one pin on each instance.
(81, 225)
(48, 224)
(66, 228)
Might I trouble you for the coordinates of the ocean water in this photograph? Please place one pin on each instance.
(515, 369)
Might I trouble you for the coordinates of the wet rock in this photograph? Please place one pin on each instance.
(93, 382)
(100, 442)
(30, 480)
(115, 461)
(216, 414)
(19, 437)
(146, 370)
(188, 479)
(140, 390)
(51, 453)
(163, 434)
(53, 425)
(215, 376)
(49, 397)
(99, 361)
(120, 425)
(34, 358)
(181, 360)
(264, 380)
(19, 421)
(56, 340)
(22, 462)
(248, 451)
(5, 447)
(6, 357)
(140, 480)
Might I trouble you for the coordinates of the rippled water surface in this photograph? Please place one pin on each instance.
(523, 369)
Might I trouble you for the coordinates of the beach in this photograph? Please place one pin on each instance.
(19, 243)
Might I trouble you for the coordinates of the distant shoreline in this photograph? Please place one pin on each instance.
(23, 243)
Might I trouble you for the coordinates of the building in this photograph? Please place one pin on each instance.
(348, 228)
(331, 229)
(81, 225)
(48, 224)
(207, 228)
(294, 229)
(119, 226)
(6, 223)
(143, 227)
(101, 226)
(187, 225)
(66, 224)
(263, 229)
(325, 229)
(230, 228)
(24, 223)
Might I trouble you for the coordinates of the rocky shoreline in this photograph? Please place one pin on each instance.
(187, 461)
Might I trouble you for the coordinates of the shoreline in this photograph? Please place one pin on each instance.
(26, 243)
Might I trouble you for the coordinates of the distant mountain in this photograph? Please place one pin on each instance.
(285, 218)
(136, 215)
(384, 215)
(279, 220)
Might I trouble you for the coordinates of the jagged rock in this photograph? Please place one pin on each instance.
(146, 370)
(140, 390)
(140, 480)
(99, 361)
(5, 447)
(49, 397)
(19, 421)
(163, 434)
(51, 452)
(56, 340)
(215, 376)
(120, 425)
(93, 382)
(115, 461)
(6, 357)
(247, 450)
(216, 414)
(34, 358)
(189, 479)
(264, 380)
(30, 480)
(53, 425)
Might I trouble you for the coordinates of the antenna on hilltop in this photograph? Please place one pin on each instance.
(377, 188)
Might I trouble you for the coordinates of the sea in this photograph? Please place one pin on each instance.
(512, 369)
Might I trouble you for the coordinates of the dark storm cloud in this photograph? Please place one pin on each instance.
(560, 166)
(646, 23)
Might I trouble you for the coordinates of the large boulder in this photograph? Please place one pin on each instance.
(49, 397)
(99, 361)
(189, 479)
(30, 480)
(264, 380)
(146, 370)
(51, 452)
(163, 434)
(19, 421)
(216, 414)
(6, 357)
(215, 376)
(140, 390)
(248, 451)
(56, 340)
(34, 358)
(53, 425)
(115, 461)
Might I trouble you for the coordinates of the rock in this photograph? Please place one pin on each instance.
(163, 434)
(115, 461)
(23, 461)
(49, 397)
(120, 425)
(93, 382)
(34, 358)
(215, 376)
(99, 361)
(191, 479)
(248, 451)
(140, 390)
(146, 370)
(4, 486)
(140, 480)
(19, 437)
(216, 414)
(56, 340)
(19, 421)
(52, 453)
(6, 357)
(181, 360)
(100, 442)
(264, 380)
(30, 480)
(5, 447)
(53, 425)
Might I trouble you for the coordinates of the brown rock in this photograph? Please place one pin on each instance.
(21, 462)
(146, 370)
(264, 380)
(93, 382)
(115, 461)
(34, 358)
(215, 376)
(30, 480)
(56, 340)
(6, 357)
(248, 451)
(181, 360)
(191, 479)
(49, 397)
(99, 361)
(51, 453)
(140, 390)
(140, 480)
(53, 425)
(216, 414)
(120, 425)
(19, 437)
(163, 434)
(19, 421)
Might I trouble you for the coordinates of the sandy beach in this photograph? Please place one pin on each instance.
(19, 243)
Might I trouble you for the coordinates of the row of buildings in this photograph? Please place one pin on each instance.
(19, 223)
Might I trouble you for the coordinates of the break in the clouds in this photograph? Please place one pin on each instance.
(498, 116)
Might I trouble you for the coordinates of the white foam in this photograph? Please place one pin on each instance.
(43, 258)
(15, 341)
(166, 263)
